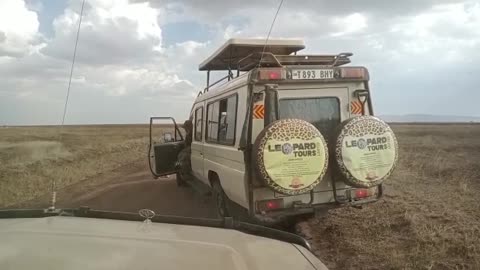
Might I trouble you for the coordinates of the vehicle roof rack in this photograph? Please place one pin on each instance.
(247, 54)
(228, 56)
(270, 60)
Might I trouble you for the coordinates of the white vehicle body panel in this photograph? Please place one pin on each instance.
(228, 161)
(87, 243)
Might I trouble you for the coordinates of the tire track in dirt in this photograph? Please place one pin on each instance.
(130, 188)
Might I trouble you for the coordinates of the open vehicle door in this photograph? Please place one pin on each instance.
(163, 152)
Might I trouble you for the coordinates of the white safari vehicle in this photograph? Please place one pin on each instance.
(282, 134)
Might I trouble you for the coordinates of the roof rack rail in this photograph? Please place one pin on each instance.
(342, 56)
(229, 77)
(266, 59)
(270, 60)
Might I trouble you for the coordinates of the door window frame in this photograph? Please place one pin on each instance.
(195, 138)
(217, 141)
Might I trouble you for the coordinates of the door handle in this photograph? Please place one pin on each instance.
(201, 154)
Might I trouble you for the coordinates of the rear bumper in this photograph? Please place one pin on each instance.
(285, 214)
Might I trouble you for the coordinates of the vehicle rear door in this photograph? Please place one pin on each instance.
(323, 106)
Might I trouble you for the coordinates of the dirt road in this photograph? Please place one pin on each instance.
(129, 189)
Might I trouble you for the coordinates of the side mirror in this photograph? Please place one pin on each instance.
(167, 137)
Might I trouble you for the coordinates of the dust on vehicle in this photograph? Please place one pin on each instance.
(282, 134)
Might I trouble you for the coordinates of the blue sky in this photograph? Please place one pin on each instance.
(47, 11)
(140, 58)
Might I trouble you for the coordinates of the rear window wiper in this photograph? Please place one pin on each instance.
(227, 223)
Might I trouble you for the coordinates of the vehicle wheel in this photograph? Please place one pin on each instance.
(180, 181)
(220, 200)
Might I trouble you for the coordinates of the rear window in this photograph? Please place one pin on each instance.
(323, 113)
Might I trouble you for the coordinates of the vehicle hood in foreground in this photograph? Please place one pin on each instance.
(86, 243)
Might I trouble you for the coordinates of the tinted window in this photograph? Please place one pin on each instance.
(221, 117)
(198, 124)
(323, 113)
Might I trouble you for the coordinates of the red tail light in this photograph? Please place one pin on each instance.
(354, 73)
(271, 74)
(268, 205)
(361, 193)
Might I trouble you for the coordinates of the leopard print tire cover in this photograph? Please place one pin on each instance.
(291, 156)
(366, 151)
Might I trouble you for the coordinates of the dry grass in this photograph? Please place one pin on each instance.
(429, 217)
(30, 157)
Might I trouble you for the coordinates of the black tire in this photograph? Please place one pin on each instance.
(220, 200)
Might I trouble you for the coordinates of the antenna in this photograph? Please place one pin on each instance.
(54, 182)
(269, 32)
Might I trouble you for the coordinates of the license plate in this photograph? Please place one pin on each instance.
(312, 74)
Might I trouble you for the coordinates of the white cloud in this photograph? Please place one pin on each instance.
(34, 5)
(125, 72)
(444, 34)
(350, 24)
(18, 28)
(190, 47)
(142, 14)
(120, 49)
(111, 32)
(120, 55)
(231, 31)
(146, 81)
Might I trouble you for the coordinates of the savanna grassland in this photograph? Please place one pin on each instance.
(429, 217)
(31, 157)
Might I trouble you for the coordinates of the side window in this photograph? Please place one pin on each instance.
(198, 124)
(221, 116)
(228, 113)
(212, 121)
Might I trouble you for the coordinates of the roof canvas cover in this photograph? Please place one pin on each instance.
(227, 56)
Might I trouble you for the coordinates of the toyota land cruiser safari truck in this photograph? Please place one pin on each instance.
(282, 134)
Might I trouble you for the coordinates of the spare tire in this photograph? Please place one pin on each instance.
(291, 156)
(366, 151)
